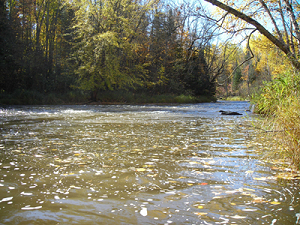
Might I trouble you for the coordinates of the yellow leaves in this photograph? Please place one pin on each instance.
(209, 162)
(199, 205)
(137, 151)
(200, 213)
(268, 56)
(259, 200)
(173, 181)
(230, 22)
(148, 166)
(109, 37)
(288, 176)
(102, 29)
(275, 203)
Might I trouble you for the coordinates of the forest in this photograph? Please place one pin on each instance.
(55, 52)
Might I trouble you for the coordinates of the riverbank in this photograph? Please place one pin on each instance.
(235, 98)
(279, 102)
(25, 97)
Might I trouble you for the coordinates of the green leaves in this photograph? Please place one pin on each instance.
(104, 48)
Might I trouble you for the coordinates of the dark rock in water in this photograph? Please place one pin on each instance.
(229, 113)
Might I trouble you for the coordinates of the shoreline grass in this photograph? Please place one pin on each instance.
(26, 97)
(234, 98)
(279, 101)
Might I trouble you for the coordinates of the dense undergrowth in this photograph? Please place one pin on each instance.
(235, 98)
(26, 97)
(279, 101)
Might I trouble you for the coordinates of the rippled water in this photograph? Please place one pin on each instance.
(126, 164)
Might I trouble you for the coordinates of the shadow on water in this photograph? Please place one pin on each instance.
(147, 164)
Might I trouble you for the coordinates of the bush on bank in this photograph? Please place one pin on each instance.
(27, 97)
(235, 98)
(32, 97)
(279, 100)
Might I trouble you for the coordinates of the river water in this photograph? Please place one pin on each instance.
(147, 164)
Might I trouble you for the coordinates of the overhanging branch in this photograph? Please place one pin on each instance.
(248, 59)
(280, 44)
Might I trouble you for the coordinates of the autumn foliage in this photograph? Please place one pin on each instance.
(99, 46)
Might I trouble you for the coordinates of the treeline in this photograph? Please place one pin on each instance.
(55, 46)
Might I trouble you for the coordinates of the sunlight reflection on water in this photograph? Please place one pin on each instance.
(138, 164)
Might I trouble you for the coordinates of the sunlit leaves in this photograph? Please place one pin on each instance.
(104, 32)
(200, 213)
(268, 58)
(275, 203)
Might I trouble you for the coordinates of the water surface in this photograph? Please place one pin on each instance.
(131, 164)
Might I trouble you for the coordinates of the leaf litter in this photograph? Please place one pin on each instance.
(194, 168)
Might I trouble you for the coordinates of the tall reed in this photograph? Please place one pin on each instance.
(280, 101)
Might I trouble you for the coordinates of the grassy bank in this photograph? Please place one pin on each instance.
(25, 97)
(142, 98)
(279, 101)
(234, 98)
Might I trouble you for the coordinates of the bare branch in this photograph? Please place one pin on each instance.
(294, 21)
(251, 52)
(272, 19)
(281, 45)
(284, 24)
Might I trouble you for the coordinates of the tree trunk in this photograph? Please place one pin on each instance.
(94, 95)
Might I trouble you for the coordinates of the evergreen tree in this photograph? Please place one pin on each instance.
(237, 78)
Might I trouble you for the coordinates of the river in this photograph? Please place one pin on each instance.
(139, 164)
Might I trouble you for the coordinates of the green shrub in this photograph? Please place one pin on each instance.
(235, 98)
(185, 99)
